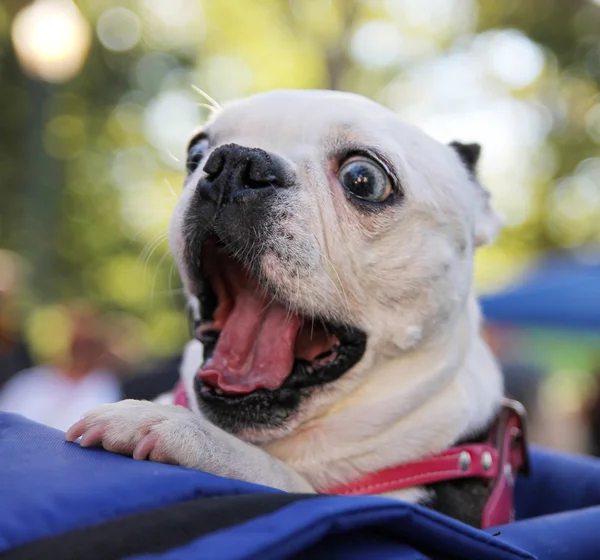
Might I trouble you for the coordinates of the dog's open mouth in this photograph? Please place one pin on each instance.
(253, 343)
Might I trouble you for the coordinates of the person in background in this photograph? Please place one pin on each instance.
(58, 395)
(591, 412)
(156, 379)
(14, 354)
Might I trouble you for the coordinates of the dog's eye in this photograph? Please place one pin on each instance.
(365, 179)
(195, 155)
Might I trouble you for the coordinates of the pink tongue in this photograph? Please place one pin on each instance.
(255, 349)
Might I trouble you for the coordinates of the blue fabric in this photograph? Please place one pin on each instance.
(559, 482)
(562, 536)
(48, 487)
(300, 526)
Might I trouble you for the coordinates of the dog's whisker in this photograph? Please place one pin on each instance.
(141, 230)
(341, 286)
(214, 103)
(211, 108)
(157, 240)
(170, 187)
(172, 156)
(172, 290)
(268, 304)
(297, 294)
(150, 249)
(147, 262)
(324, 327)
(156, 270)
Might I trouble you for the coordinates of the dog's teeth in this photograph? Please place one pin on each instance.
(218, 391)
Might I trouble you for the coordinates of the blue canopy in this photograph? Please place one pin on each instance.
(560, 292)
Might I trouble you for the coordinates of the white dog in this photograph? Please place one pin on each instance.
(327, 251)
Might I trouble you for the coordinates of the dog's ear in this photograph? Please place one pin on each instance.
(487, 222)
(468, 153)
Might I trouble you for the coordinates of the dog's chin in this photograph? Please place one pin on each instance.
(262, 358)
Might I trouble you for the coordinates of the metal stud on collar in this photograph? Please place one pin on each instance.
(486, 460)
(464, 460)
(508, 474)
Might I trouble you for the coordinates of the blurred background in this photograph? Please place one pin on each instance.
(96, 105)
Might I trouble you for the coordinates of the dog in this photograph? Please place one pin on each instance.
(326, 248)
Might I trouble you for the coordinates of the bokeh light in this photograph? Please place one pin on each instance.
(51, 39)
(514, 58)
(109, 142)
(170, 120)
(376, 44)
(119, 29)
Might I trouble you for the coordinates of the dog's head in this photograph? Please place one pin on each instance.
(316, 235)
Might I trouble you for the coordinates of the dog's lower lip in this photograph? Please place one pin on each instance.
(208, 392)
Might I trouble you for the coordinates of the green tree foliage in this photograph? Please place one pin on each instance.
(89, 169)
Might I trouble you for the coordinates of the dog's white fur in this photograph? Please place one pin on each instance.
(402, 275)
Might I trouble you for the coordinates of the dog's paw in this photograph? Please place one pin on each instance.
(144, 430)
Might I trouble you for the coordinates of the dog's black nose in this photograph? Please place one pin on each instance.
(238, 173)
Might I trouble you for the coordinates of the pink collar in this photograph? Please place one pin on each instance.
(497, 462)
